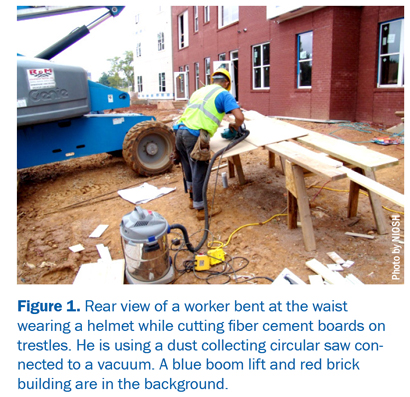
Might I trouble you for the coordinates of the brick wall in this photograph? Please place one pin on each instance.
(375, 104)
(345, 52)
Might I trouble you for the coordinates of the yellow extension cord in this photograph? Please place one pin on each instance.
(222, 245)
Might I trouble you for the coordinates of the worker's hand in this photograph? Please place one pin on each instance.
(233, 126)
(239, 119)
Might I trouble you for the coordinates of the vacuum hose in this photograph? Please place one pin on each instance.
(240, 136)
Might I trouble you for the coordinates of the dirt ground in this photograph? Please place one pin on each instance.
(60, 204)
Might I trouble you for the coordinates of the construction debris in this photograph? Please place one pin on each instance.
(98, 231)
(327, 274)
(360, 235)
(76, 248)
(336, 258)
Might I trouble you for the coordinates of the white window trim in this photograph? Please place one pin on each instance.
(184, 15)
(400, 72)
(196, 19)
(209, 74)
(207, 14)
(220, 25)
(260, 67)
(138, 50)
(303, 87)
(196, 67)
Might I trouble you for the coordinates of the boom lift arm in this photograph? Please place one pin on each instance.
(30, 12)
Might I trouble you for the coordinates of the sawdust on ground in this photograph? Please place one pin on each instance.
(60, 204)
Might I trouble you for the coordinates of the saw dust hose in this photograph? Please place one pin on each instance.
(241, 135)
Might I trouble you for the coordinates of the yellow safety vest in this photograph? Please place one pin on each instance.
(201, 112)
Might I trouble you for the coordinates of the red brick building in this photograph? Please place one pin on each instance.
(328, 63)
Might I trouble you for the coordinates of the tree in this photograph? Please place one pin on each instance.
(128, 68)
(104, 79)
(122, 71)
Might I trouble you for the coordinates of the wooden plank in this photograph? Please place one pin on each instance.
(271, 159)
(238, 165)
(308, 162)
(376, 187)
(348, 152)
(323, 157)
(353, 201)
(290, 180)
(331, 277)
(376, 204)
(292, 211)
(304, 210)
(231, 168)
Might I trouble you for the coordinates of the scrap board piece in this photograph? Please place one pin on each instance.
(98, 231)
(104, 273)
(328, 275)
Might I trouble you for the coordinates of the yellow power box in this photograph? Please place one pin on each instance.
(216, 256)
(202, 263)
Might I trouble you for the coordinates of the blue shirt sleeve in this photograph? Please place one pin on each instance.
(225, 102)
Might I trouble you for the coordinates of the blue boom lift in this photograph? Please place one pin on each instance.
(60, 113)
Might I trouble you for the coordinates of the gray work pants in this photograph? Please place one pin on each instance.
(195, 171)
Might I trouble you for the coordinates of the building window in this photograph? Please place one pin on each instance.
(227, 15)
(161, 44)
(162, 82)
(196, 25)
(138, 50)
(207, 15)
(391, 54)
(183, 30)
(222, 57)
(139, 83)
(137, 18)
(207, 71)
(305, 49)
(261, 65)
(196, 75)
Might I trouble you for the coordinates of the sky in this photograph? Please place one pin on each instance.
(110, 39)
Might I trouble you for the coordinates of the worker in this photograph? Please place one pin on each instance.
(199, 122)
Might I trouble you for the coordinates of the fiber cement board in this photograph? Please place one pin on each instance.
(268, 130)
(218, 143)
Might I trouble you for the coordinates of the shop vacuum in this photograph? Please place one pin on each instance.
(144, 234)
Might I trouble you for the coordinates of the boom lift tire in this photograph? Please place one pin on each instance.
(147, 148)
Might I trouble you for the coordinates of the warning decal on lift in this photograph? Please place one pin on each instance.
(41, 78)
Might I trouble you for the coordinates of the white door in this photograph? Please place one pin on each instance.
(228, 65)
(181, 86)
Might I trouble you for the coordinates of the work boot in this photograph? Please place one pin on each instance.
(200, 215)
